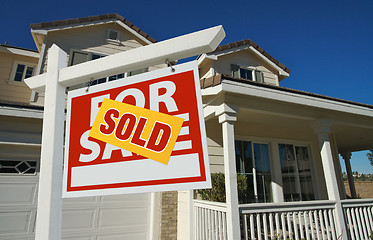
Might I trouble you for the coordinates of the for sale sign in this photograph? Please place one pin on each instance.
(143, 133)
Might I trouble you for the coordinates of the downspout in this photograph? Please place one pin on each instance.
(34, 94)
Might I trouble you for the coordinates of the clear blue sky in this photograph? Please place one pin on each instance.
(326, 44)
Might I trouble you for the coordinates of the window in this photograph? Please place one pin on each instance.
(18, 166)
(252, 160)
(21, 71)
(296, 173)
(247, 73)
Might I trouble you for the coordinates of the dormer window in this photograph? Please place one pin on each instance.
(249, 73)
(112, 35)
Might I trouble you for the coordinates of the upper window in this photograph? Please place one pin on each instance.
(296, 173)
(252, 160)
(22, 70)
(247, 73)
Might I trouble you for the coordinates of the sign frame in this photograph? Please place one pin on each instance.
(172, 185)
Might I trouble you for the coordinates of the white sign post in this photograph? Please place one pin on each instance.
(58, 77)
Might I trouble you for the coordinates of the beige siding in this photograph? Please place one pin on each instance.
(246, 59)
(215, 146)
(10, 90)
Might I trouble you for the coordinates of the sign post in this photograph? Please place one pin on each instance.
(48, 223)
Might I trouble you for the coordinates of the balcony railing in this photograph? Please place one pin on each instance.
(358, 217)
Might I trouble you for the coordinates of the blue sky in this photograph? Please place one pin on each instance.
(327, 45)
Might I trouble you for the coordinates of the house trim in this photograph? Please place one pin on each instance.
(289, 96)
(19, 51)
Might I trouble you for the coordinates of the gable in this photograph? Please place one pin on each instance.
(248, 60)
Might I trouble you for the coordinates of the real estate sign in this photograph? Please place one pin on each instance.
(144, 133)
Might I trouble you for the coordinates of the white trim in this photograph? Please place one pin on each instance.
(23, 52)
(21, 144)
(294, 98)
(14, 69)
(21, 112)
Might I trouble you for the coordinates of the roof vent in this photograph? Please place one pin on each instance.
(113, 35)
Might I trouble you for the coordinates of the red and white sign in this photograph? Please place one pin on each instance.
(93, 167)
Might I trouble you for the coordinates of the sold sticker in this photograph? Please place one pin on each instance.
(142, 131)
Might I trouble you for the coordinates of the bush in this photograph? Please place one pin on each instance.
(217, 192)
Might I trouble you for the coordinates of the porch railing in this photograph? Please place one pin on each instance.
(295, 220)
(292, 220)
(210, 220)
(358, 217)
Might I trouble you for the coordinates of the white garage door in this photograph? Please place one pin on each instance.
(91, 218)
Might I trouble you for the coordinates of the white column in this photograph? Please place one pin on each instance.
(322, 129)
(227, 117)
(347, 156)
(49, 211)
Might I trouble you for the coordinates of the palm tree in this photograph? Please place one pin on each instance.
(370, 156)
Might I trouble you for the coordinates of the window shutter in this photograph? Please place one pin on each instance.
(259, 76)
(235, 70)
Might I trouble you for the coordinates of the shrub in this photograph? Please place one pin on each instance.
(217, 192)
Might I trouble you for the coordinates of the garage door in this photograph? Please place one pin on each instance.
(93, 218)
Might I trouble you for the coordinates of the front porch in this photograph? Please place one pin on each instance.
(287, 145)
(290, 220)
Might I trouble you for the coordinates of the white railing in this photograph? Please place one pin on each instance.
(210, 220)
(358, 217)
(295, 220)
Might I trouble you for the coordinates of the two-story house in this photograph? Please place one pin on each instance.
(284, 142)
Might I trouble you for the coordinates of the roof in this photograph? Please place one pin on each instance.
(110, 16)
(20, 48)
(218, 79)
(19, 51)
(254, 45)
(20, 105)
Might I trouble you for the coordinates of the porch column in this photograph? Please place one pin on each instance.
(347, 156)
(227, 117)
(322, 129)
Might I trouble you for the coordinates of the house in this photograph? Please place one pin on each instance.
(284, 142)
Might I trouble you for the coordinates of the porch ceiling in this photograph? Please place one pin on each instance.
(283, 115)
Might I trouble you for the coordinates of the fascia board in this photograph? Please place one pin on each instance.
(20, 52)
(133, 32)
(205, 56)
(293, 98)
(21, 112)
(64, 27)
(228, 51)
(264, 58)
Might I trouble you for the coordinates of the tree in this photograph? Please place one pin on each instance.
(370, 156)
